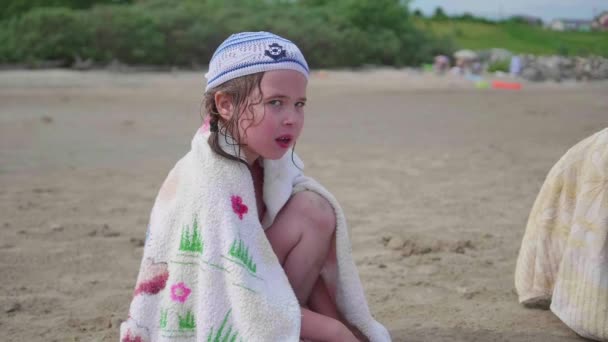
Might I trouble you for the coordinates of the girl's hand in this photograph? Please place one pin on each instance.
(344, 334)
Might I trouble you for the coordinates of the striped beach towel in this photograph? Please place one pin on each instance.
(564, 253)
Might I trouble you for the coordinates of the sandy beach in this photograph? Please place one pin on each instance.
(436, 178)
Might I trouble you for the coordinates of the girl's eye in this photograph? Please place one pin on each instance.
(275, 103)
(300, 104)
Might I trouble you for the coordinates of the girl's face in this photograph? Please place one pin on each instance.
(273, 125)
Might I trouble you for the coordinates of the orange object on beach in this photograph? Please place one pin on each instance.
(506, 85)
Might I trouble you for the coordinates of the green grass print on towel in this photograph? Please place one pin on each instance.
(241, 252)
(163, 318)
(221, 335)
(187, 322)
(191, 241)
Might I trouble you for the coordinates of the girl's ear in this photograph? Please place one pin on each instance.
(224, 105)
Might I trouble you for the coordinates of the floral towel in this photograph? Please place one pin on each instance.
(208, 272)
(564, 253)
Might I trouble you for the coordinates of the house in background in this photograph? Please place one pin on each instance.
(571, 25)
(601, 22)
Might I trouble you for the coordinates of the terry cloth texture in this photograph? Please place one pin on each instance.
(248, 53)
(208, 271)
(564, 253)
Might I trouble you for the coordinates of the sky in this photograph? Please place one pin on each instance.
(496, 9)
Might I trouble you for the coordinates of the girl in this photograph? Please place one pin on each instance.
(241, 245)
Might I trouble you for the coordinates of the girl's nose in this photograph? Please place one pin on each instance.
(289, 119)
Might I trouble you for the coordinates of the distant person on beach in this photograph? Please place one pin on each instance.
(563, 261)
(515, 66)
(441, 64)
(241, 245)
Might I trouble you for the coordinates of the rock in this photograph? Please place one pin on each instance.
(115, 322)
(106, 232)
(558, 68)
(532, 74)
(466, 293)
(395, 243)
(500, 55)
(137, 242)
(460, 247)
(551, 68)
(407, 250)
(80, 64)
(116, 66)
(110, 234)
(424, 250)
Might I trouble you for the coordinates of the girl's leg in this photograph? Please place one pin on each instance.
(320, 301)
(300, 237)
(317, 327)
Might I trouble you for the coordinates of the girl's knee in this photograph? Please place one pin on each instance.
(315, 209)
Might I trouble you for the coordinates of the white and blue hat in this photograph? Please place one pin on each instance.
(248, 53)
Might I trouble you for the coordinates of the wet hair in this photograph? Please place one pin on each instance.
(240, 90)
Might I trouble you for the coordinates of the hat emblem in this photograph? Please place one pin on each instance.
(275, 51)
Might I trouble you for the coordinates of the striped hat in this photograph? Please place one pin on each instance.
(248, 53)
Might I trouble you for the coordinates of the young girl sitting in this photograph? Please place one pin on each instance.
(241, 245)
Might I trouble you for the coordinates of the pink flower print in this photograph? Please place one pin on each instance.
(180, 292)
(129, 338)
(152, 286)
(238, 207)
(152, 278)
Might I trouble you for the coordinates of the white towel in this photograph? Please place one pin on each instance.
(564, 252)
(208, 272)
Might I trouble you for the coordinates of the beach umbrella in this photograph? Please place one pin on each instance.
(465, 54)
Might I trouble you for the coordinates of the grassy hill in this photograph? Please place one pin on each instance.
(518, 38)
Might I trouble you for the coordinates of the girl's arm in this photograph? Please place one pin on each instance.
(317, 327)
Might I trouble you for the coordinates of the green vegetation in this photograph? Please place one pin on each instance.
(340, 33)
(517, 37)
(13, 8)
(499, 66)
(331, 33)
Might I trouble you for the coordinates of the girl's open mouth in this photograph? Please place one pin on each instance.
(284, 141)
